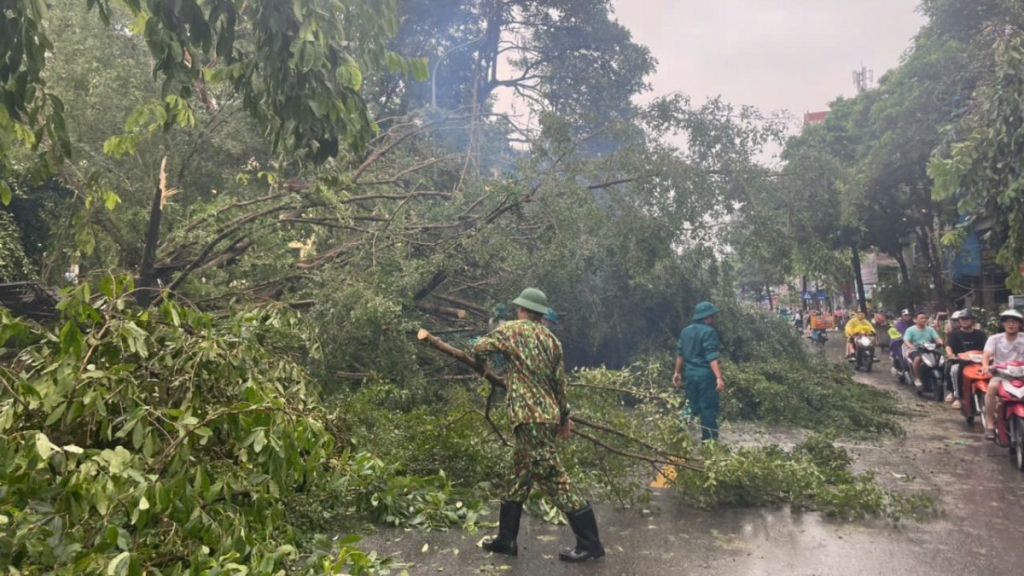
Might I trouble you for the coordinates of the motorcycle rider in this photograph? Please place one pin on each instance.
(906, 321)
(964, 338)
(918, 334)
(855, 327)
(999, 349)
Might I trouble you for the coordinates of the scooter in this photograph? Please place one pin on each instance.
(898, 361)
(1010, 410)
(973, 387)
(932, 370)
(864, 355)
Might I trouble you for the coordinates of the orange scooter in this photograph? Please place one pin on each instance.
(974, 385)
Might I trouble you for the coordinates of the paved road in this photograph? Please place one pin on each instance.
(981, 531)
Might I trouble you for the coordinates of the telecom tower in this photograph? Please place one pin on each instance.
(863, 79)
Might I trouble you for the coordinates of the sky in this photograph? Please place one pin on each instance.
(776, 55)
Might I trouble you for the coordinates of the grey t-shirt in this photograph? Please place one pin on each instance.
(1003, 350)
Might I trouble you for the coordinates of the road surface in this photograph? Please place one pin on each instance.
(980, 530)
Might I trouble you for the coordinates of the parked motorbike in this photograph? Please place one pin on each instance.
(932, 370)
(864, 353)
(973, 386)
(1010, 411)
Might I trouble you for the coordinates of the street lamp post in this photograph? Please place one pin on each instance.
(433, 73)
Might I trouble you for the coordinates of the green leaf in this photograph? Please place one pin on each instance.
(5, 193)
(44, 447)
(118, 566)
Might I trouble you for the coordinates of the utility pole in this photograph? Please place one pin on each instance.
(863, 79)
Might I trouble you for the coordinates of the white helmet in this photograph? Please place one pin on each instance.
(1011, 313)
(956, 315)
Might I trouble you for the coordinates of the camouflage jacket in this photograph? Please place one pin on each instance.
(535, 373)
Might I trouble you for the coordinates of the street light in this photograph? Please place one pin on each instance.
(433, 74)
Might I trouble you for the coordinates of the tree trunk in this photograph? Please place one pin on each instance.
(802, 292)
(147, 277)
(768, 290)
(904, 271)
(859, 279)
(932, 257)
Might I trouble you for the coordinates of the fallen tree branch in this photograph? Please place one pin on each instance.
(609, 430)
(661, 456)
(426, 336)
(641, 457)
(619, 390)
(464, 304)
(442, 311)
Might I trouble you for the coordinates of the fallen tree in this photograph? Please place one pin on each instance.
(657, 455)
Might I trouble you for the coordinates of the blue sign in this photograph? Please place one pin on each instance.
(822, 295)
(807, 295)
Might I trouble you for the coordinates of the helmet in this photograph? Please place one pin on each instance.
(1011, 313)
(966, 314)
(533, 300)
(704, 310)
(551, 316)
(957, 315)
(905, 312)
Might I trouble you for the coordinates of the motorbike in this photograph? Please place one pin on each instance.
(973, 386)
(1010, 411)
(819, 337)
(932, 370)
(864, 352)
(899, 362)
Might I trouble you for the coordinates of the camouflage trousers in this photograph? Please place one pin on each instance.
(535, 463)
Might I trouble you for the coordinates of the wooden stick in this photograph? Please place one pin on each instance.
(425, 336)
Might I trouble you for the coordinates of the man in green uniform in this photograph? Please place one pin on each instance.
(539, 413)
(698, 350)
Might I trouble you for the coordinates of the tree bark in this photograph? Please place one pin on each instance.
(859, 279)
(932, 257)
(147, 277)
(904, 271)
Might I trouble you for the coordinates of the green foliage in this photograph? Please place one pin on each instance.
(157, 441)
(815, 475)
(774, 378)
(297, 69)
(14, 265)
(981, 167)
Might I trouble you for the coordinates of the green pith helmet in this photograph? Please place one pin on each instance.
(704, 310)
(533, 300)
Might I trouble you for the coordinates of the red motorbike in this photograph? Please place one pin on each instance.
(1010, 410)
(973, 386)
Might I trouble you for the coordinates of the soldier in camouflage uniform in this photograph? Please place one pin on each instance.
(539, 413)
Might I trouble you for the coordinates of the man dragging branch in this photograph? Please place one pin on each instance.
(539, 413)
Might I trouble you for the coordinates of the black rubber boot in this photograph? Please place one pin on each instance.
(588, 545)
(508, 530)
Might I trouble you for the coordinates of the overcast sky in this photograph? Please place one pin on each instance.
(794, 55)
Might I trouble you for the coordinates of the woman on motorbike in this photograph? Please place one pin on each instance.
(855, 327)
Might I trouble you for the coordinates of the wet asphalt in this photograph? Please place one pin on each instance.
(980, 529)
